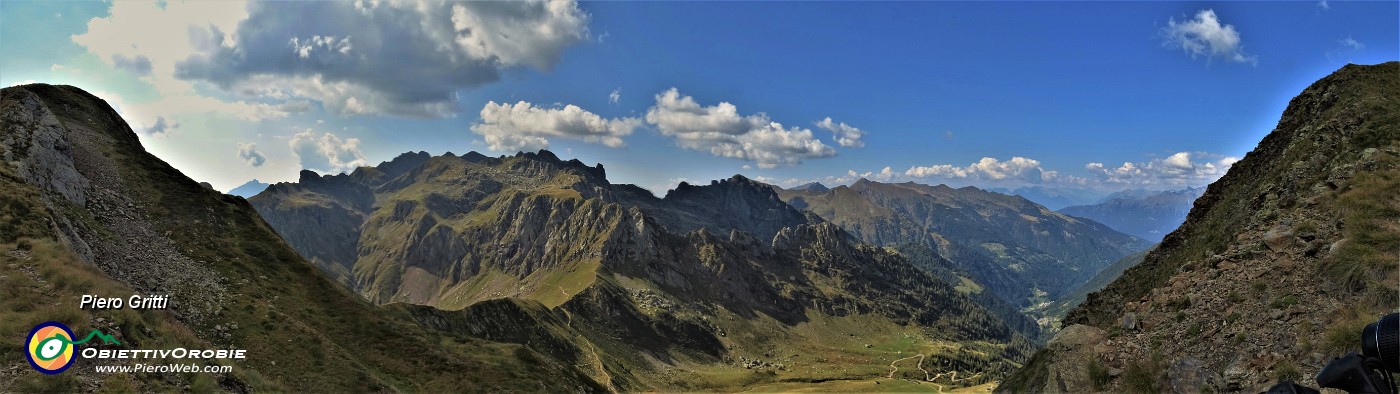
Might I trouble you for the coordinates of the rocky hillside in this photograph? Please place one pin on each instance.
(1146, 215)
(1018, 250)
(714, 287)
(1275, 271)
(84, 209)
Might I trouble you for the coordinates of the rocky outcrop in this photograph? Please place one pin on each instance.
(737, 203)
(36, 146)
(98, 216)
(1279, 263)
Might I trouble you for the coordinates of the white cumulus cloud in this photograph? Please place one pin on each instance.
(323, 45)
(1205, 35)
(161, 126)
(846, 135)
(722, 131)
(524, 126)
(399, 58)
(148, 40)
(1351, 43)
(327, 153)
(1018, 168)
(250, 154)
(139, 65)
(885, 175)
(1179, 169)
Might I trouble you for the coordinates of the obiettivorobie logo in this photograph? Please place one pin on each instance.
(51, 346)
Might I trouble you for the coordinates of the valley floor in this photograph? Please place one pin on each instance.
(867, 386)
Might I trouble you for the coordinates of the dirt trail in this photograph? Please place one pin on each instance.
(597, 364)
(894, 369)
(952, 375)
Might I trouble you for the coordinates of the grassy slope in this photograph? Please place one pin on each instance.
(277, 300)
(448, 194)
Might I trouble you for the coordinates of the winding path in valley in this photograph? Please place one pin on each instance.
(952, 375)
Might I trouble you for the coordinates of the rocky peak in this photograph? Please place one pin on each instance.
(403, 163)
(737, 184)
(475, 157)
(553, 163)
(543, 154)
(308, 176)
(734, 203)
(829, 236)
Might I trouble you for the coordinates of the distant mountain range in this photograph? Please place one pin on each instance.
(717, 279)
(1018, 250)
(249, 189)
(1053, 197)
(811, 187)
(1144, 214)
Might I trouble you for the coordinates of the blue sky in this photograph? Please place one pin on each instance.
(1088, 95)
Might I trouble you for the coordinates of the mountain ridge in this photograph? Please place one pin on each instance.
(703, 270)
(249, 189)
(1004, 242)
(1293, 246)
(1144, 214)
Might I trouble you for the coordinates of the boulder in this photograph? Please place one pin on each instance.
(1188, 375)
(1279, 238)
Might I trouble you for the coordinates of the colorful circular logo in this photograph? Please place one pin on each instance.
(50, 347)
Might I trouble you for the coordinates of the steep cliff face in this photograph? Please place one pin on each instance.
(1021, 251)
(1276, 269)
(704, 283)
(85, 210)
